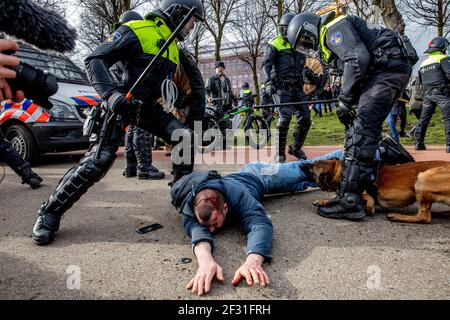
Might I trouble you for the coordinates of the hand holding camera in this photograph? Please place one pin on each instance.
(6, 62)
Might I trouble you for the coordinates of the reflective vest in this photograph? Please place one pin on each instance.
(152, 35)
(280, 44)
(326, 53)
(431, 72)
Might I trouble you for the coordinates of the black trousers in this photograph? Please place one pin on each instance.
(91, 169)
(10, 156)
(138, 150)
(303, 117)
(379, 92)
(430, 101)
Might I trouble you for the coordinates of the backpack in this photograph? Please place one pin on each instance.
(183, 186)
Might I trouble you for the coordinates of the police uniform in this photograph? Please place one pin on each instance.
(135, 43)
(287, 65)
(10, 156)
(434, 76)
(375, 70)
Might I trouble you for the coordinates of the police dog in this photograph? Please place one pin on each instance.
(397, 186)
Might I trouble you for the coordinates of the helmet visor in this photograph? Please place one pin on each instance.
(306, 41)
(192, 29)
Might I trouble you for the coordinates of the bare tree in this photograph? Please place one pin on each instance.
(251, 31)
(98, 18)
(392, 17)
(430, 13)
(217, 16)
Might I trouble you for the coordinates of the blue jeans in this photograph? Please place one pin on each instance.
(286, 177)
(392, 126)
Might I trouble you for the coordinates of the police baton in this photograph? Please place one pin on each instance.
(263, 106)
(110, 117)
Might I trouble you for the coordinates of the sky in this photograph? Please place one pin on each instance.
(419, 35)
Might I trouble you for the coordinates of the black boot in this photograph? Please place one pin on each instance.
(420, 146)
(71, 187)
(152, 173)
(447, 148)
(281, 157)
(45, 227)
(29, 176)
(349, 207)
(300, 132)
(299, 154)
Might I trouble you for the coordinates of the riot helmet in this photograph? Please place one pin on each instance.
(176, 10)
(284, 23)
(303, 32)
(127, 16)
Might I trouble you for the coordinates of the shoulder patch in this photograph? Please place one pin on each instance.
(337, 38)
(116, 36)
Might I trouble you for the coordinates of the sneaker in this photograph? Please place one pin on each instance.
(280, 158)
(447, 149)
(410, 133)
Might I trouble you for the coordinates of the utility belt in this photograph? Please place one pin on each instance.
(288, 84)
(443, 89)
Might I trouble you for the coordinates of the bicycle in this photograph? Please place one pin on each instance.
(255, 127)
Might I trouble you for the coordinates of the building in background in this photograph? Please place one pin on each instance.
(237, 70)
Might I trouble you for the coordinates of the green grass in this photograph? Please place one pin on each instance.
(327, 130)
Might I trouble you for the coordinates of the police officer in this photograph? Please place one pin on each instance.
(246, 95)
(434, 77)
(135, 43)
(10, 156)
(287, 82)
(375, 71)
(138, 151)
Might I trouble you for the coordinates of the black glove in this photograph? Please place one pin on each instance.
(309, 77)
(118, 104)
(345, 113)
(180, 103)
(269, 88)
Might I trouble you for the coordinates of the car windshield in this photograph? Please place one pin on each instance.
(61, 67)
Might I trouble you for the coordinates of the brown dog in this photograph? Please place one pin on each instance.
(397, 186)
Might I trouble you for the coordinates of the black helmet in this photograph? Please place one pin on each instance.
(176, 10)
(437, 44)
(127, 16)
(284, 22)
(303, 31)
(245, 85)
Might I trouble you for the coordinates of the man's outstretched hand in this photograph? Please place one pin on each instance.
(207, 270)
(252, 271)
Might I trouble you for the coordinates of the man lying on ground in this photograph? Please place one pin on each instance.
(209, 202)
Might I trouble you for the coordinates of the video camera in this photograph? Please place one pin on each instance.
(37, 84)
(43, 28)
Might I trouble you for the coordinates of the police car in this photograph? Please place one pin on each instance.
(34, 130)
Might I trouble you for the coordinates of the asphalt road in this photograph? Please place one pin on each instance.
(98, 255)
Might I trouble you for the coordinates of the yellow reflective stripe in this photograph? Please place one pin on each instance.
(280, 44)
(150, 33)
(248, 91)
(326, 53)
(433, 58)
